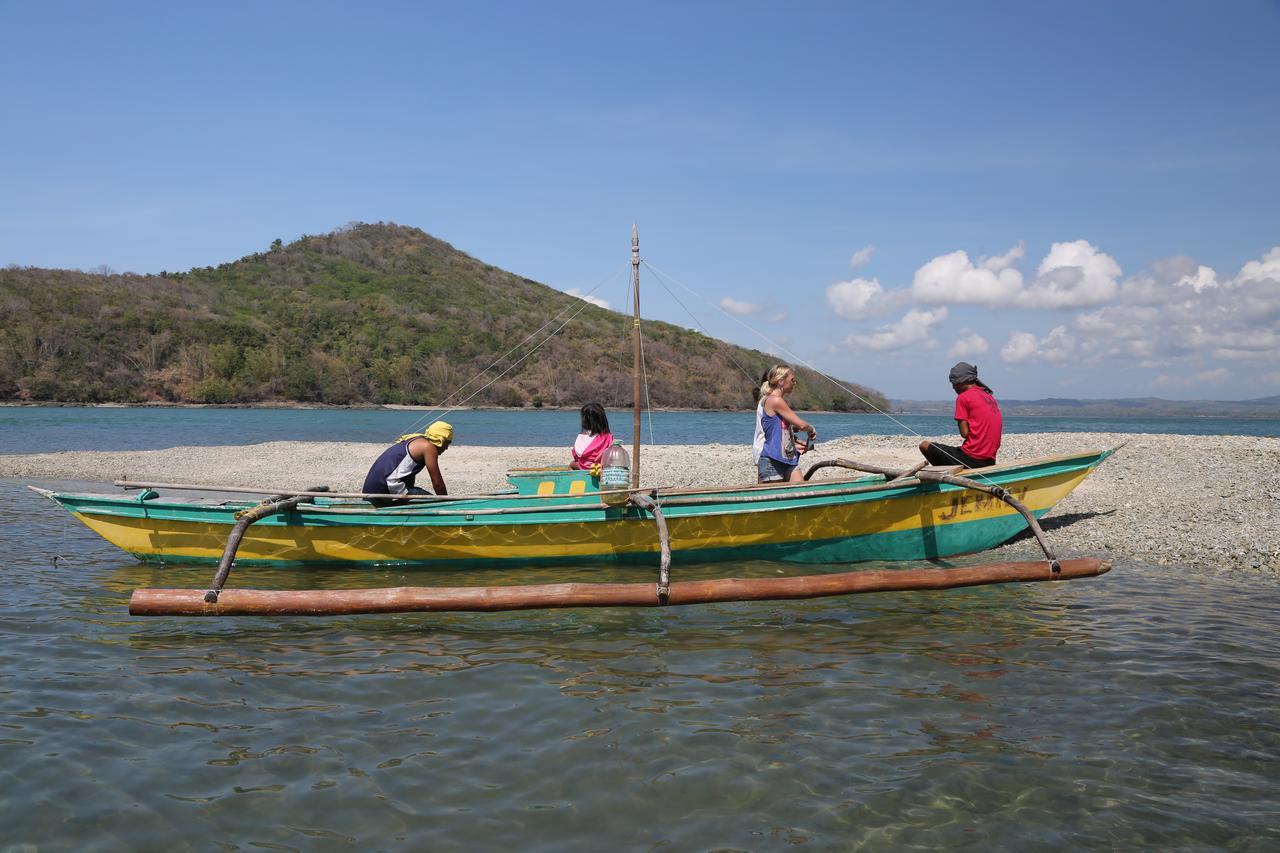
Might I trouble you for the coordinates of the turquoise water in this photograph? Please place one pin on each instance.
(46, 429)
(1134, 710)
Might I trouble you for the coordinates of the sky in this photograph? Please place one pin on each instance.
(1081, 198)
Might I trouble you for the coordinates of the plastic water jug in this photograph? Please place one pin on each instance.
(615, 471)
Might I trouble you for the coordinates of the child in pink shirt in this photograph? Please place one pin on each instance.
(594, 440)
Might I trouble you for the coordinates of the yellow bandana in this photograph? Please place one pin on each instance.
(439, 433)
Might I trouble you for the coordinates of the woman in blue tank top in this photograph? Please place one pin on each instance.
(780, 456)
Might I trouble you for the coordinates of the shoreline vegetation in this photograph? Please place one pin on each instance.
(1204, 502)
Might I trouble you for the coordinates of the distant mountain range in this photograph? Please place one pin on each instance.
(1155, 407)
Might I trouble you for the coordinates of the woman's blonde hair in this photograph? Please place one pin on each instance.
(774, 378)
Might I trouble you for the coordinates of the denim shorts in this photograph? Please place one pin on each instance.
(771, 470)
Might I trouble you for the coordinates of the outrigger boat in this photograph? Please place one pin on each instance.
(560, 517)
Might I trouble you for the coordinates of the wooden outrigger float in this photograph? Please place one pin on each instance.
(253, 602)
(561, 517)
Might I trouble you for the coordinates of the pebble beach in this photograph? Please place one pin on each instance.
(1204, 502)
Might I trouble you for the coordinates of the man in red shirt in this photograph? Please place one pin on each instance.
(977, 415)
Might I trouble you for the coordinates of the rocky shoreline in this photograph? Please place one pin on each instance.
(1205, 502)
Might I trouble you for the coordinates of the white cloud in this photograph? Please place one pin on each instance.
(1171, 269)
(1021, 346)
(1056, 347)
(856, 299)
(1186, 314)
(954, 278)
(1119, 321)
(594, 300)
(968, 345)
(914, 329)
(1268, 269)
(1250, 339)
(999, 263)
(1202, 278)
(1172, 280)
(1072, 275)
(1179, 318)
(861, 256)
(737, 307)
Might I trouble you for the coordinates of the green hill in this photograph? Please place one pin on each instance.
(366, 314)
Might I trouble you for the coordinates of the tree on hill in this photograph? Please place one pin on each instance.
(365, 314)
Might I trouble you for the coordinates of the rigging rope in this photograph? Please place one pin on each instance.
(644, 375)
(632, 322)
(727, 352)
(578, 308)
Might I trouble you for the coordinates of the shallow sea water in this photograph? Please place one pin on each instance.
(47, 429)
(1139, 708)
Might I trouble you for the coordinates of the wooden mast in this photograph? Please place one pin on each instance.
(635, 346)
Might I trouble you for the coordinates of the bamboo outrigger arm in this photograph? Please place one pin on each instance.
(280, 503)
(910, 472)
(927, 476)
(270, 506)
(664, 542)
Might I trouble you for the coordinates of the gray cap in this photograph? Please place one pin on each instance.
(963, 373)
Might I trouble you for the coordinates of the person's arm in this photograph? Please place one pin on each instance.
(784, 411)
(962, 416)
(429, 456)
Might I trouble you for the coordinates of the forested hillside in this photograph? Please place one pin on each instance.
(366, 314)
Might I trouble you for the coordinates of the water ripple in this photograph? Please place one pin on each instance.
(1134, 710)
